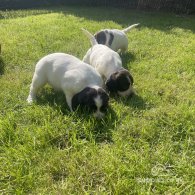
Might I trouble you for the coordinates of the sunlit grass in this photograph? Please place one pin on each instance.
(144, 144)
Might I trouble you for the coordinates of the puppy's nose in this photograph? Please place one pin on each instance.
(98, 115)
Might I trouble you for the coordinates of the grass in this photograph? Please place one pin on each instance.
(144, 145)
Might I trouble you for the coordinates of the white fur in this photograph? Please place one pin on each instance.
(120, 41)
(64, 72)
(98, 102)
(104, 60)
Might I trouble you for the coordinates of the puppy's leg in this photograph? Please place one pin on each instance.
(124, 49)
(69, 101)
(37, 82)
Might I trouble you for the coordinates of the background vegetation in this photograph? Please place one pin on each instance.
(144, 145)
(179, 6)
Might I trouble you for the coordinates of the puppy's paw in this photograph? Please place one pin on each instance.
(30, 99)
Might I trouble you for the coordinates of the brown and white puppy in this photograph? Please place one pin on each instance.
(109, 64)
(80, 82)
(113, 38)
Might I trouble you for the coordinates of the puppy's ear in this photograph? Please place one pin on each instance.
(75, 101)
(80, 98)
(111, 83)
(100, 37)
(83, 98)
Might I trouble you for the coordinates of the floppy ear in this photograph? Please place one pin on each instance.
(100, 37)
(75, 101)
(80, 99)
(124, 80)
(84, 98)
(111, 83)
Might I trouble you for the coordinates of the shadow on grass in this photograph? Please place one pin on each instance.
(9, 14)
(2, 66)
(134, 101)
(100, 130)
(48, 96)
(148, 19)
(127, 58)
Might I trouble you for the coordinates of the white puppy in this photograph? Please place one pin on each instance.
(109, 64)
(114, 38)
(81, 83)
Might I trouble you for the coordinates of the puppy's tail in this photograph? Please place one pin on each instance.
(90, 36)
(126, 30)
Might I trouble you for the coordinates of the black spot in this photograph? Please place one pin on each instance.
(111, 83)
(111, 38)
(119, 81)
(101, 37)
(85, 98)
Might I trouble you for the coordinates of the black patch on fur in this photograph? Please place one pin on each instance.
(111, 38)
(119, 81)
(101, 37)
(85, 98)
(111, 83)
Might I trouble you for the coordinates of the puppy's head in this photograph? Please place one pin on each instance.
(94, 99)
(120, 82)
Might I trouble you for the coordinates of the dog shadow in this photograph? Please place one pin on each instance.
(2, 66)
(101, 129)
(148, 19)
(55, 99)
(123, 17)
(135, 101)
(127, 58)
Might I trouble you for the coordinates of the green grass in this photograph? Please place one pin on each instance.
(144, 145)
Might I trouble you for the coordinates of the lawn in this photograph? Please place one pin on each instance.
(144, 145)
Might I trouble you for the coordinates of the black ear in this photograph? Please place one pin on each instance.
(80, 98)
(101, 37)
(83, 98)
(111, 83)
(124, 80)
(75, 101)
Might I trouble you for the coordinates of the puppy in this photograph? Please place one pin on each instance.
(108, 63)
(114, 38)
(81, 83)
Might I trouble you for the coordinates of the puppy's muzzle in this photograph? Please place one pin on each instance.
(98, 115)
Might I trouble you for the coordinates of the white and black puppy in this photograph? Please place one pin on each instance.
(109, 64)
(114, 38)
(81, 83)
